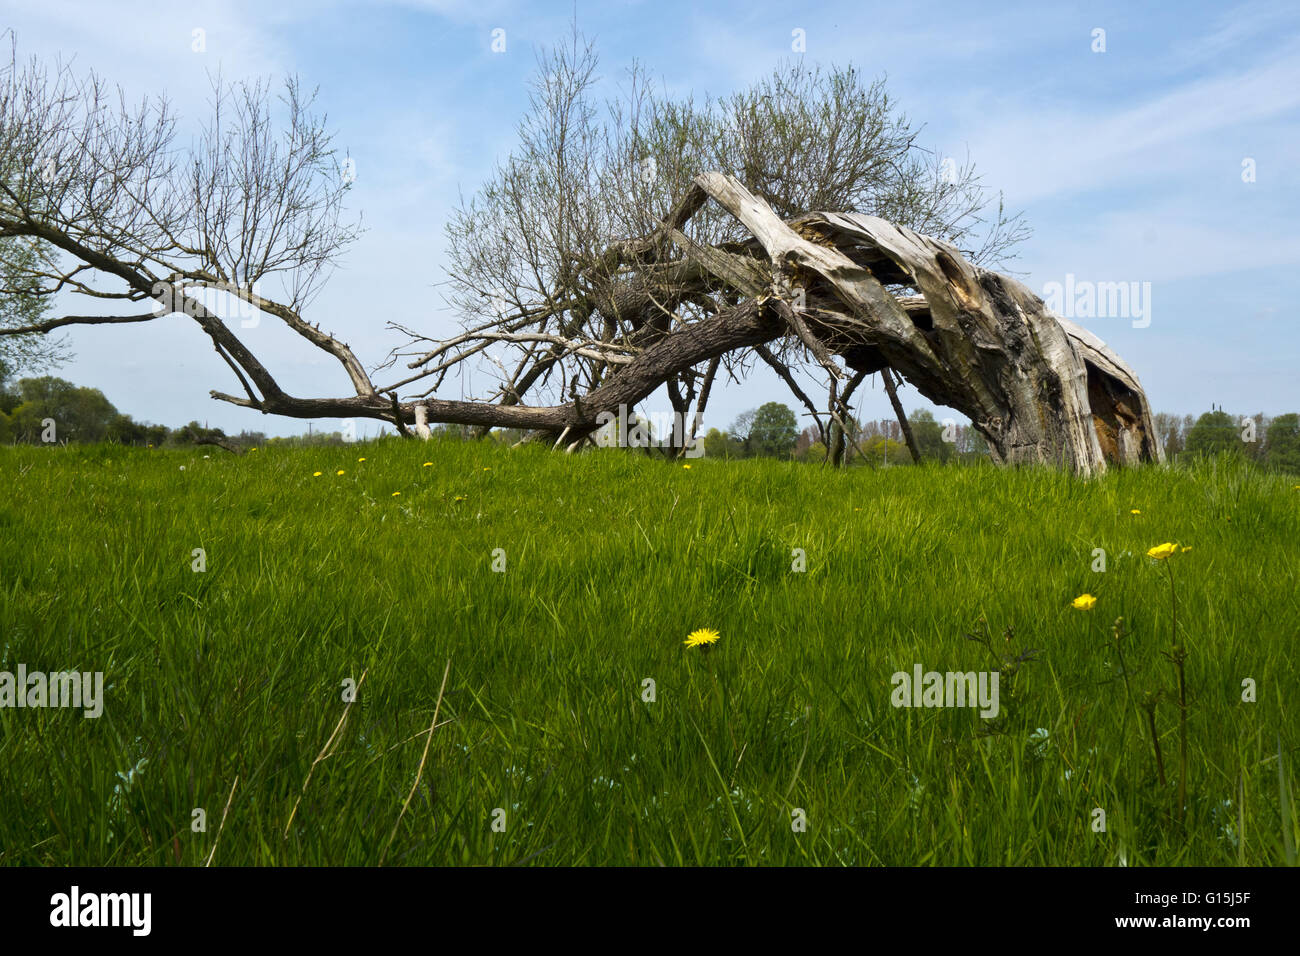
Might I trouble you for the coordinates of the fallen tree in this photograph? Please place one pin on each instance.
(722, 280)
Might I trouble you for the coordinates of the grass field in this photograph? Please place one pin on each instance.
(776, 745)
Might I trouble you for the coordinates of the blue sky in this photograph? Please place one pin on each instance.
(1127, 163)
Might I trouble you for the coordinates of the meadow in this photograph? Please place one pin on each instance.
(233, 603)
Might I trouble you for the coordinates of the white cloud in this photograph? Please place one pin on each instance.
(1050, 151)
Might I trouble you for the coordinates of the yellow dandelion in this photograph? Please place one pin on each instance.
(703, 636)
(252, 449)
(1084, 602)
(316, 474)
(360, 459)
(1162, 551)
(487, 469)
(1135, 512)
(427, 464)
(396, 493)
(687, 467)
(460, 498)
(339, 472)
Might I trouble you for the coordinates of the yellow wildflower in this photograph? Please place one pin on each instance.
(703, 636)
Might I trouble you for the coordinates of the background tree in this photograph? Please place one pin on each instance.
(1283, 443)
(929, 436)
(79, 414)
(1170, 433)
(805, 440)
(718, 444)
(194, 433)
(1214, 433)
(741, 430)
(775, 430)
(9, 397)
(125, 430)
(1256, 450)
(880, 450)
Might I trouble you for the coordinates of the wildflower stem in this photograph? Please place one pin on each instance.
(1173, 599)
(1155, 742)
(1180, 656)
(1118, 632)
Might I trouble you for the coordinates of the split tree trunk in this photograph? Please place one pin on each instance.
(1039, 388)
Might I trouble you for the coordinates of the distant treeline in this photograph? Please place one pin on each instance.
(48, 409)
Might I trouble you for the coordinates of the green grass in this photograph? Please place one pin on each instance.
(611, 560)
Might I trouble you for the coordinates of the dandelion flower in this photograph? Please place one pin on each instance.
(252, 449)
(687, 467)
(396, 493)
(316, 474)
(1084, 602)
(1135, 512)
(1162, 551)
(360, 459)
(460, 498)
(339, 472)
(704, 635)
(427, 464)
(487, 469)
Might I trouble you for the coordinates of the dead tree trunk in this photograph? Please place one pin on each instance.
(978, 341)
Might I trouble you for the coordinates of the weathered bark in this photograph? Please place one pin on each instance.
(984, 344)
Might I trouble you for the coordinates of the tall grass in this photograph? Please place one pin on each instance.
(548, 750)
